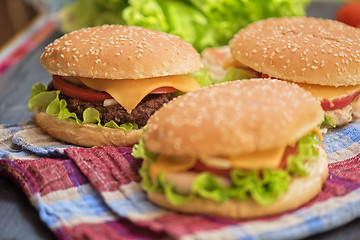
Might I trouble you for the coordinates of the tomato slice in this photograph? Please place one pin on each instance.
(264, 75)
(289, 150)
(74, 91)
(201, 167)
(163, 90)
(338, 103)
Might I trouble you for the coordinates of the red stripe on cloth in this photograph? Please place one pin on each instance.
(344, 177)
(105, 167)
(108, 168)
(178, 225)
(115, 230)
(19, 176)
(42, 175)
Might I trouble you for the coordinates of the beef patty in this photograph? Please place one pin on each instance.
(139, 115)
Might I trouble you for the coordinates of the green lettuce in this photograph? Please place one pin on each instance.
(203, 77)
(263, 186)
(49, 102)
(203, 23)
(234, 73)
(305, 151)
(328, 122)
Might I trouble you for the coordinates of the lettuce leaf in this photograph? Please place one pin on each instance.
(146, 13)
(263, 186)
(203, 77)
(203, 23)
(306, 151)
(233, 74)
(328, 122)
(49, 102)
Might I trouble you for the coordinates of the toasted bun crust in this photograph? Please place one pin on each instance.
(301, 49)
(301, 190)
(233, 118)
(119, 52)
(86, 135)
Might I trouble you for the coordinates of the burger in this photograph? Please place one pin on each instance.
(108, 80)
(322, 56)
(241, 149)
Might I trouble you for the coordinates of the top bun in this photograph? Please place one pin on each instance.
(301, 49)
(119, 52)
(233, 118)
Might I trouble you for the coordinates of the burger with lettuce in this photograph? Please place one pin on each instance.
(240, 149)
(108, 80)
(320, 55)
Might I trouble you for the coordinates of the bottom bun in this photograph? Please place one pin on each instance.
(300, 191)
(86, 135)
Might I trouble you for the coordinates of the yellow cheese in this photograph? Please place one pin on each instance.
(259, 160)
(256, 160)
(129, 92)
(164, 164)
(329, 92)
(318, 134)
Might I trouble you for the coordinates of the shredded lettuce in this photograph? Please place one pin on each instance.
(203, 78)
(203, 23)
(233, 73)
(306, 151)
(49, 102)
(263, 186)
(328, 122)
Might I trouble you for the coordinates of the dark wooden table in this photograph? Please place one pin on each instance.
(18, 218)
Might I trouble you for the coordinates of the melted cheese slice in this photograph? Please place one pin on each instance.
(164, 164)
(257, 160)
(329, 92)
(129, 92)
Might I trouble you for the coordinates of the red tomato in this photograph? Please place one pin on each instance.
(264, 75)
(289, 150)
(199, 166)
(338, 103)
(162, 90)
(75, 91)
(349, 13)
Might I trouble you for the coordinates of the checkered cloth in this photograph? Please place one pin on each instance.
(94, 193)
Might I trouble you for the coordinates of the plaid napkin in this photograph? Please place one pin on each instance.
(94, 193)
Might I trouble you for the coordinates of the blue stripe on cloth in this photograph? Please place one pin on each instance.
(314, 222)
(137, 203)
(5, 154)
(342, 138)
(89, 205)
(48, 151)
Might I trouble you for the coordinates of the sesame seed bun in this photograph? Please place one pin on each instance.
(301, 49)
(300, 191)
(119, 52)
(87, 135)
(233, 118)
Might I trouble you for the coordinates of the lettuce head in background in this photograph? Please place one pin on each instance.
(203, 23)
